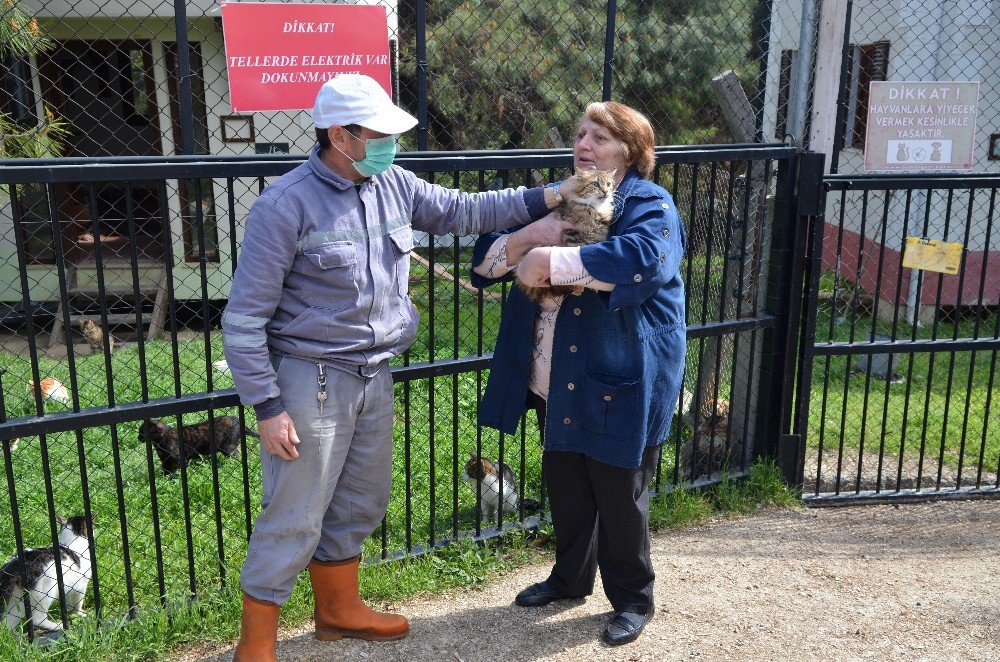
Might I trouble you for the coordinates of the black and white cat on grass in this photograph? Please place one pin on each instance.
(494, 477)
(40, 567)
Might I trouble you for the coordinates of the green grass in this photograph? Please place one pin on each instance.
(214, 616)
(942, 394)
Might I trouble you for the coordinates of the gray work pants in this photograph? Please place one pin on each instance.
(324, 503)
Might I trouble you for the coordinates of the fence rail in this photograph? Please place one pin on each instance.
(166, 535)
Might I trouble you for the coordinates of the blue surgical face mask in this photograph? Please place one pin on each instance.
(379, 155)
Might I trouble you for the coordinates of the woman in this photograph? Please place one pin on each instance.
(602, 369)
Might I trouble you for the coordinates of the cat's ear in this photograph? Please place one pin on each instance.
(472, 456)
(613, 173)
(93, 515)
(62, 520)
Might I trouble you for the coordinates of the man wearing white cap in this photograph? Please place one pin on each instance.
(318, 306)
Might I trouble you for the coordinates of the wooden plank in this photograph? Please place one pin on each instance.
(159, 315)
(735, 105)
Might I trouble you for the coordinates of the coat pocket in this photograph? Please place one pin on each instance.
(610, 405)
(325, 275)
(402, 243)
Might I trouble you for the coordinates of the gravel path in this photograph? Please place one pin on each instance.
(913, 582)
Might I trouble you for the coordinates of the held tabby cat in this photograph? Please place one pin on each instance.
(588, 203)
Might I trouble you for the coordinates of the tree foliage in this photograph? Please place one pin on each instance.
(20, 37)
(500, 73)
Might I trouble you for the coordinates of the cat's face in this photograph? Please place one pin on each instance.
(597, 148)
(79, 525)
(598, 185)
(477, 468)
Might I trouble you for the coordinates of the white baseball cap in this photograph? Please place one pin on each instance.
(358, 99)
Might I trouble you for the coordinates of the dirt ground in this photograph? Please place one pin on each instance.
(906, 582)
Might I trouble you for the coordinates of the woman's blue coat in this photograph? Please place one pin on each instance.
(618, 356)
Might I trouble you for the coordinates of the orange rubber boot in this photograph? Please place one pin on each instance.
(258, 631)
(340, 611)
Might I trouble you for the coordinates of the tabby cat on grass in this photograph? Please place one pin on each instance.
(42, 580)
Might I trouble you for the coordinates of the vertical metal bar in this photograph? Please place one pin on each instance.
(996, 324)
(53, 208)
(609, 49)
(930, 358)
(408, 458)
(854, 319)
(951, 355)
(421, 37)
(455, 313)
(15, 512)
(209, 375)
(889, 357)
(184, 83)
(838, 129)
(168, 262)
(431, 339)
(895, 330)
(709, 246)
(753, 279)
(144, 390)
(830, 338)
(109, 378)
(244, 459)
(763, 53)
(800, 97)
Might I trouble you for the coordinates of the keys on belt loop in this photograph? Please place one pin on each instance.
(321, 382)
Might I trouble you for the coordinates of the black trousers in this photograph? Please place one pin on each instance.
(600, 514)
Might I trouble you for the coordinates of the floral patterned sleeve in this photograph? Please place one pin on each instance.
(494, 265)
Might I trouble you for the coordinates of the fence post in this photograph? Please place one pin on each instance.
(184, 78)
(609, 49)
(841, 125)
(763, 47)
(797, 198)
(422, 75)
(800, 96)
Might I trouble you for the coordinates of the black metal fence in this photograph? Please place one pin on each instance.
(898, 395)
(163, 534)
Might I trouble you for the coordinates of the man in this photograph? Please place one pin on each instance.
(318, 306)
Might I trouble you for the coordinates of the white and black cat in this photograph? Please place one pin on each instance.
(40, 567)
(492, 476)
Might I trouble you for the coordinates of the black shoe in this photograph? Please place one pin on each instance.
(625, 627)
(538, 595)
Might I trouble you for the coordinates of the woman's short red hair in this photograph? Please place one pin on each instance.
(631, 127)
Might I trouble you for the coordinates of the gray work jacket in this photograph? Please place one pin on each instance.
(324, 268)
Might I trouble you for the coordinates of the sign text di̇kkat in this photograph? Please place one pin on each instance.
(278, 55)
(921, 125)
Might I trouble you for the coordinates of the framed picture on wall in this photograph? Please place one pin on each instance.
(995, 147)
(237, 128)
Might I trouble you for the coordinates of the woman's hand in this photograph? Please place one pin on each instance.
(546, 231)
(534, 270)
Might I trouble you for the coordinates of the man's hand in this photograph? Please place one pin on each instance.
(278, 435)
(534, 270)
(546, 231)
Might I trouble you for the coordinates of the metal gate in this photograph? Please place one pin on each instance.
(166, 535)
(897, 391)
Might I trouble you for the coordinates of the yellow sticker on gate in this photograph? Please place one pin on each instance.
(932, 255)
